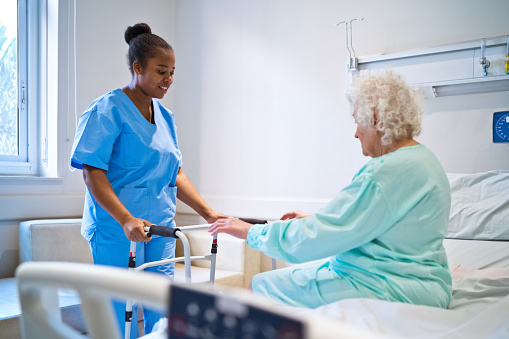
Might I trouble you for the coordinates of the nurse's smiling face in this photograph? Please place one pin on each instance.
(156, 77)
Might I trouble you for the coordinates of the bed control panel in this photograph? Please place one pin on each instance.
(196, 313)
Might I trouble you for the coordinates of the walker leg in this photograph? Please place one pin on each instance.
(213, 252)
(129, 302)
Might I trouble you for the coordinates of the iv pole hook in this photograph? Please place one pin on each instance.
(352, 61)
(351, 29)
(347, 47)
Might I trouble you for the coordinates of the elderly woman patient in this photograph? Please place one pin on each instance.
(381, 235)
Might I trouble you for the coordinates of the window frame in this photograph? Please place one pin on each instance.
(25, 163)
(38, 36)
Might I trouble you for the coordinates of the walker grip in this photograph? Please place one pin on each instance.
(164, 231)
(253, 221)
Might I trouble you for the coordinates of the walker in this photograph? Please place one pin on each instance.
(173, 233)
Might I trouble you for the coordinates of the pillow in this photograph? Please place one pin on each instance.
(479, 206)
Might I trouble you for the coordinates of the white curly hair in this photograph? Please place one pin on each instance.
(399, 108)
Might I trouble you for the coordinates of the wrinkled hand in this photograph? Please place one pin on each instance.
(133, 229)
(232, 226)
(295, 215)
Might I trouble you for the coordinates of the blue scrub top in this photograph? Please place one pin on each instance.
(141, 161)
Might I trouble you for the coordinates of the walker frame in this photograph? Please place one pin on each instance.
(177, 233)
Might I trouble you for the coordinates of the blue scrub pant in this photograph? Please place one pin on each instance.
(117, 254)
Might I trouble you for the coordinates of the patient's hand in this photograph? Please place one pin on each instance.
(232, 226)
(295, 215)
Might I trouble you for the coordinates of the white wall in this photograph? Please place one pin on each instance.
(259, 100)
(264, 125)
(101, 50)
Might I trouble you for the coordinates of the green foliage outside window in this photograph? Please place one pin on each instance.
(8, 94)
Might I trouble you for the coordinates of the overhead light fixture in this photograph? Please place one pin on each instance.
(471, 88)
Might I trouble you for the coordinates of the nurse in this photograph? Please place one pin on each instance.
(382, 236)
(126, 145)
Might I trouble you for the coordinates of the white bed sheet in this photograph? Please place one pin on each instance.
(479, 309)
(477, 253)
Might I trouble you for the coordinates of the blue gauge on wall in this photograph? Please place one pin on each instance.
(501, 126)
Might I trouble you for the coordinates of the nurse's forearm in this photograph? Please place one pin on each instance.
(100, 188)
(188, 194)
(102, 191)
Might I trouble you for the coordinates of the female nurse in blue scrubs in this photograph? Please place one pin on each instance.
(382, 236)
(126, 145)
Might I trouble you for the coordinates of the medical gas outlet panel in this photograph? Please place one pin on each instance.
(480, 66)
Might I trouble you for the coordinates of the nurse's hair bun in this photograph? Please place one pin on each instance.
(133, 31)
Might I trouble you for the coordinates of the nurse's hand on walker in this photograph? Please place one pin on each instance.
(295, 215)
(232, 226)
(134, 229)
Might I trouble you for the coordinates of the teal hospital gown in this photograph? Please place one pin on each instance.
(381, 237)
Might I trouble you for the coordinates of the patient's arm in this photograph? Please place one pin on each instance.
(295, 215)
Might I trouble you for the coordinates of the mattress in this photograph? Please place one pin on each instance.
(478, 254)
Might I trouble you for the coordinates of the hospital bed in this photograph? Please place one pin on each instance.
(235, 310)
(477, 246)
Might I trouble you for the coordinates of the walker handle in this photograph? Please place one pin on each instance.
(163, 231)
(253, 221)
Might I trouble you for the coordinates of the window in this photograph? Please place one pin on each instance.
(33, 55)
(15, 157)
(8, 81)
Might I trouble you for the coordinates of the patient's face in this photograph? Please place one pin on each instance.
(369, 138)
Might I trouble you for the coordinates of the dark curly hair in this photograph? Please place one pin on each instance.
(143, 45)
